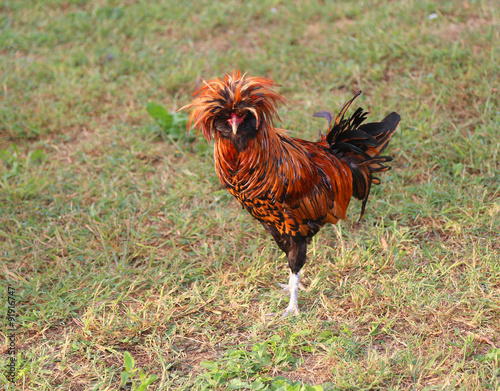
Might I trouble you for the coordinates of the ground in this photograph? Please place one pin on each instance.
(116, 235)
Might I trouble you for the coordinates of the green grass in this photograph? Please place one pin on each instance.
(117, 236)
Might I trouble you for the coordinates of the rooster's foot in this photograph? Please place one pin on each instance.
(285, 288)
(293, 288)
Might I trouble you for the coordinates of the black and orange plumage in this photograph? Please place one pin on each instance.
(292, 186)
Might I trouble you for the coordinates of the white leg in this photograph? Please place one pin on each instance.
(293, 287)
(286, 287)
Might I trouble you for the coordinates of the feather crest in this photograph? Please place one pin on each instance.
(233, 93)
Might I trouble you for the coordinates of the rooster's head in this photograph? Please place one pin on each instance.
(234, 104)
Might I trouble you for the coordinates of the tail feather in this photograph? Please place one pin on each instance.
(382, 131)
(360, 146)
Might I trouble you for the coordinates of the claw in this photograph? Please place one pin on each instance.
(286, 287)
(293, 287)
(294, 310)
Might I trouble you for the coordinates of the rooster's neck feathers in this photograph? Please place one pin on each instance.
(235, 93)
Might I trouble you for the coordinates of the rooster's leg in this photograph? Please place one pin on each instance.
(295, 249)
(285, 288)
(293, 287)
(296, 254)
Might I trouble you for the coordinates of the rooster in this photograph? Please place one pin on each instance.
(292, 186)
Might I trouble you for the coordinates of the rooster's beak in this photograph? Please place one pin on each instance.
(235, 121)
(234, 125)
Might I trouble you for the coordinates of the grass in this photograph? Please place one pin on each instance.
(117, 236)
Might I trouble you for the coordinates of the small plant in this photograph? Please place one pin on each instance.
(281, 384)
(172, 125)
(240, 369)
(130, 373)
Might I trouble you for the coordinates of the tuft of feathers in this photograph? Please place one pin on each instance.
(233, 93)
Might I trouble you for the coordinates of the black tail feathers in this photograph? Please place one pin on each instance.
(360, 145)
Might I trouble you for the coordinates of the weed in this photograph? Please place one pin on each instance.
(130, 375)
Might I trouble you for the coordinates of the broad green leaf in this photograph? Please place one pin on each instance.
(314, 388)
(162, 117)
(257, 385)
(129, 361)
(237, 384)
(210, 365)
(124, 376)
(457, 169)
(150, 380)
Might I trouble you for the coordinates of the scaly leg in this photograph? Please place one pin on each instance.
(286, 287)
(293, 287)
(295, 249)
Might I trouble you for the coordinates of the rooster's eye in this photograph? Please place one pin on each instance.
(222, 126)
